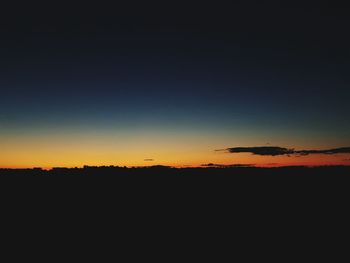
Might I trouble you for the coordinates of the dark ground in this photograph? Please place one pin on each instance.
(163, 171)
(180, 193)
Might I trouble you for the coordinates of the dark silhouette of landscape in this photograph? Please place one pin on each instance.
(166, 171)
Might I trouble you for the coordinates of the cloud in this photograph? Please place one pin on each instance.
(331, 151)
(148, 160)
(278, 151)
(265, 150)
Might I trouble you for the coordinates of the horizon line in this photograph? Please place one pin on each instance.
(177, 167)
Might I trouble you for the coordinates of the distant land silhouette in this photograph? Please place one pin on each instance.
(163, 171)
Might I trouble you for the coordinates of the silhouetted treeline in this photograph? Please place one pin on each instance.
(169, 171)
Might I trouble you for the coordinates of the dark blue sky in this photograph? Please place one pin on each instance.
(174, 71)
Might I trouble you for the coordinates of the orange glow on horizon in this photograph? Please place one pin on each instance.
(189, 161)
(187, 149)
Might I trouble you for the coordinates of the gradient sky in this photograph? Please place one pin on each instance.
(96, 86)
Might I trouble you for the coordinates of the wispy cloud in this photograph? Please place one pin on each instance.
(148, 160)
(330, 151)
(278, 151)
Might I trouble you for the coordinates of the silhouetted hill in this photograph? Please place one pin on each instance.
(162, 171)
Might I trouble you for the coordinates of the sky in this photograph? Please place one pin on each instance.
(171, 84)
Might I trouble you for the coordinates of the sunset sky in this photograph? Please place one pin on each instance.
(90, 86)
